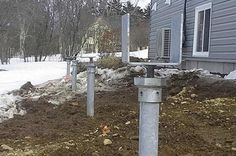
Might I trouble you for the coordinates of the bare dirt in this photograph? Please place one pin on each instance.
(198, 118)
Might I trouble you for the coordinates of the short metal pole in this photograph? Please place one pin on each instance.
(74, 74)
(68, 68)
(90, 88)
(150, 97)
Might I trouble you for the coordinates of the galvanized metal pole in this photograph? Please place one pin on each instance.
(74, 74)
(68, 68)
(150, 97)
(90, 88)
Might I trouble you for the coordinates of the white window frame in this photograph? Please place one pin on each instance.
(168, 2)
(197, 10)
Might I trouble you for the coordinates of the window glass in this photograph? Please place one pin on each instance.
(206, 30)
(200, 30)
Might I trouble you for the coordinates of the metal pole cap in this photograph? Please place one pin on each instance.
(150, 82)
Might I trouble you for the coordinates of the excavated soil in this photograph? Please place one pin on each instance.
(198, 118)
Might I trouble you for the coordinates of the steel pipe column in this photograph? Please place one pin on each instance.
(150, 97)
(90, 88)
(74, 74)
(68, 68)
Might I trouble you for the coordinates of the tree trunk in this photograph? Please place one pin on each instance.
(22, 38)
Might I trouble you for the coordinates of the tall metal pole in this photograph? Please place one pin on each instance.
(150, 97)
(68, 68)
(74, 74)
(90, 88)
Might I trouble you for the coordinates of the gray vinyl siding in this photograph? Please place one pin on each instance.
(161, 18)
(223, 27)
(223, 31)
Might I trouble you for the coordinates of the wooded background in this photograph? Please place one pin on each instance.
(40, 28)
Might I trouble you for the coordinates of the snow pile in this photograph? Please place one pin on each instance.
(167, 72)
(112, 75)
(231, 76)
(104, 80)
(59, 91)
(9, 107)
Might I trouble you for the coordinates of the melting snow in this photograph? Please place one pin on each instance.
(9, 107)
(231, 75)
(18, 74)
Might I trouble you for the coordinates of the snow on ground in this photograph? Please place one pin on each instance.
(140, 54)
(18, 74)
(231, 76)
(85, 57)
(52, 58)
(9, 107)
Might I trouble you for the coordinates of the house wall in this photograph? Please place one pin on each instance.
(223, 30)
(161, 18)
(222, 53)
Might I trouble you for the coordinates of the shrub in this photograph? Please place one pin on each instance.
(110, 62)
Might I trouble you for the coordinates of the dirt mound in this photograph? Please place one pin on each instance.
(178, 81)
(205, 87)
(193, 121)
(44, 123)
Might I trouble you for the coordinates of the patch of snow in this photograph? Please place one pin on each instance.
(165, 72)
(109, 75)
(85, 57)
(52, 58)
(18, 74)
(231, 76)
(9, 107)
(104, 77)
(137, 69)
(139, 54)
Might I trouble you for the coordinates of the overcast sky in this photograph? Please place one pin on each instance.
(141, 3)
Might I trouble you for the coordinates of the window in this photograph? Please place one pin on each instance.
(166, 42)
(202, 30)
(154, 7)
(168, 2)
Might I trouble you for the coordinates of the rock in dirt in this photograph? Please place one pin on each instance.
(193, 96)
(27, 87)
(107, 142)
(128, 123)
(120, 148)
(233, 149)
(6, 147)
(116, 127)
(95, 154)
(28, 153)
(184, 102)
(105, 129)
